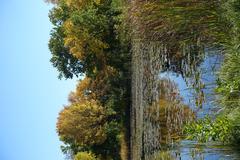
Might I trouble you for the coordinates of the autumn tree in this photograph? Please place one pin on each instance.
(83, 122)
(87, 39)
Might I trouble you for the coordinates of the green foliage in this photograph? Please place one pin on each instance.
(66, 64)
(89, 38)
(229, 76)
(111, 147)
(225, 129)
(229, 81)
(92, 38)
(84, 39)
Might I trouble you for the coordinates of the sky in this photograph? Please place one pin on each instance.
(31, 94)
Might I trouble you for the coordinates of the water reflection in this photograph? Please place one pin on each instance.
(190, 150)
(170, 89)
(169, 111)
(198, 93)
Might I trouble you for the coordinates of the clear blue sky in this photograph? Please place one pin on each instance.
(31, 94)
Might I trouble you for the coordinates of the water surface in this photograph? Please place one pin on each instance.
(169, 90)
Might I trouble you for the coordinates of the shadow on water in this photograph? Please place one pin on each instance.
(170, 90)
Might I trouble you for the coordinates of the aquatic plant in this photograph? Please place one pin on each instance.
(206, 129)
(225, 129)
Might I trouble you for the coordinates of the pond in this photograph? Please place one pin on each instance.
(170, 89)
(190, 150)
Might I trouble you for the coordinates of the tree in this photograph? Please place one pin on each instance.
(62, 59)
(86, 40)
(83, 122)
(66, 64)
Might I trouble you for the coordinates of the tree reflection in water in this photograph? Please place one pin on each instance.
(169, 111)
(169, 89)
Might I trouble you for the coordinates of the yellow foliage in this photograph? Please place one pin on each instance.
(93, 88)
(85, 156)
(83, 122)
(77, 38)
(124, 150)
(79, 4)
(82, 93)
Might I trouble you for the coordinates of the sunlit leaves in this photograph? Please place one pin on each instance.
(80, 4)
(85, 156)
(84, 123)
(82, 92)
(82, 40)
(85, 28)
